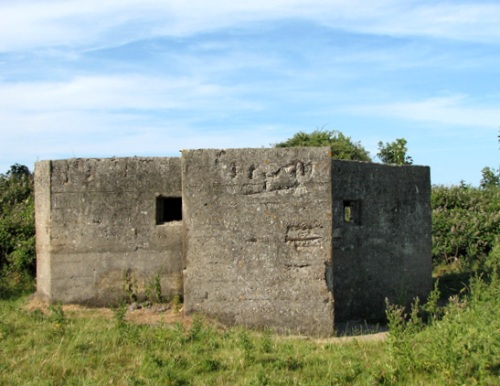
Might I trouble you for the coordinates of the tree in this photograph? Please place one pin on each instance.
(394, 152)
(18, 171)
(490, 178)
(342, 146)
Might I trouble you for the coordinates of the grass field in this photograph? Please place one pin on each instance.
(455, 345)
(52, 346)
(430, 344)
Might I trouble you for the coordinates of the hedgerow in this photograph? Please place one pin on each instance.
(17, 221)
(465, 223)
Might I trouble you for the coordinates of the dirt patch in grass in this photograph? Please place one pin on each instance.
(165, 314)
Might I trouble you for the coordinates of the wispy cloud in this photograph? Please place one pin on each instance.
(33, 24)
(109, 93)
(457, 110)
(467, 21)
(149, 77)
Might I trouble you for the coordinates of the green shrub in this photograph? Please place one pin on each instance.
(17, 221)
(342, 147)
(462, 347)
(465, 223)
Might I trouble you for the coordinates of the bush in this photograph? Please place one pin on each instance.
(459, 347)
(394, 152)
(342, 147)
(17, 221)
(465, 223)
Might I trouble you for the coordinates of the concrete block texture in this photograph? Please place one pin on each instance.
(381, 237)
(43, 170)
(258, 235)
(97, 222)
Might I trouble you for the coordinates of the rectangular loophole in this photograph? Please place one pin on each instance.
(352, 212)
(168, 209)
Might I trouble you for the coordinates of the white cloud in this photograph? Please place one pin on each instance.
(33, 24)
(67, 134)
(117, 115)
(455, 110)
(220, 90)
(110, 93)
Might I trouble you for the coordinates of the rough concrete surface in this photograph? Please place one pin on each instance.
(258, 237)
(258, 234)
(96, 222)
(385, 250)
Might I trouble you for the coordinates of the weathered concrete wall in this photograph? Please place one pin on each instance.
(268, 237)
(384, 247)
(96, 220)
(43, 228)
(258, 234)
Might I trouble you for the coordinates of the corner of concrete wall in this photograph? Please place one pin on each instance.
(43, 171)
(381, 237)
(258, 234)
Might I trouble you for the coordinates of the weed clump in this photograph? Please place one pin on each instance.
(458, 343)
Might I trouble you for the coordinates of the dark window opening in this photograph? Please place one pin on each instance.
(352, 212)
(168, 209)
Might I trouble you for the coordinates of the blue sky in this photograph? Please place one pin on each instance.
(151, 77)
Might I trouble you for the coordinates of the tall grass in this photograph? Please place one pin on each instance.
(427, 345)
(56, 347)
(459, 345)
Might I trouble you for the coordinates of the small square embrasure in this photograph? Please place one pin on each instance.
(168, 209)
(352, 212)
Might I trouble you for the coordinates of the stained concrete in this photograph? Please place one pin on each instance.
(96, 222)
(258, 236)
(384, 251)
(280, 238)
